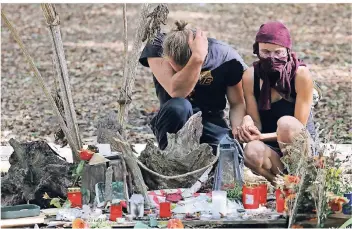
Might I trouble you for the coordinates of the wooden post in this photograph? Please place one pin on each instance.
(53, 21)
(131, 65)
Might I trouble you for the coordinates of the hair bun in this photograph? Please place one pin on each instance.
(180, 25)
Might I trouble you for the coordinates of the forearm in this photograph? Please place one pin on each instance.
(185, 80)
(236, 114)
(268, 137)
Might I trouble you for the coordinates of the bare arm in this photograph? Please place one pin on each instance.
(237, 105)
(252, 117)
(251, 124)
(178, 84)
(182, 83)
(304, 100)
(304, 90)
(251, 103)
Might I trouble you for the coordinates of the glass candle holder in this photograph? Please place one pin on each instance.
(263, 193)
(115, 211)
(219, 202)
(165, 210)
(250, 197)
(74, 195)
(280, 201)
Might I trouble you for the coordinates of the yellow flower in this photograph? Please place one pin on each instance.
(46, 196)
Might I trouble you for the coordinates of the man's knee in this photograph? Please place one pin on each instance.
(178, 108)
(287, 128)
(254, 153)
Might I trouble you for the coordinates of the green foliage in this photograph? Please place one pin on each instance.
(56, 202)
(333, 181)
(235, 193)
(79, 168)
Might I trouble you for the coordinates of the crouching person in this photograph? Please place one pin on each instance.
(278, 91)
(194, 73)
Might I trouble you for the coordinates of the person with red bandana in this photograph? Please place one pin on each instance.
(278, 91)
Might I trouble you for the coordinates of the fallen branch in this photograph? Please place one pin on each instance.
(42, 84)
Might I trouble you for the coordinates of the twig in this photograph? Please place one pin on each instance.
(42, 84)
(53, 22)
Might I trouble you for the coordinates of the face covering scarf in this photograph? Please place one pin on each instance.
(277, 73)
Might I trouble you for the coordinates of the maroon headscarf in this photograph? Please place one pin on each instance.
(275, 73)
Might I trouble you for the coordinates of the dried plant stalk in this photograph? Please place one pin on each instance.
(296, 162)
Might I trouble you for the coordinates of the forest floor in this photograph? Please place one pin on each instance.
(92, 36)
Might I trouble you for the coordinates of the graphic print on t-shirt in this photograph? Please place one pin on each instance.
(205, 78)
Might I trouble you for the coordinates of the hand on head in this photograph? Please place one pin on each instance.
(198, 44)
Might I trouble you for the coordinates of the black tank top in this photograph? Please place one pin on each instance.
(269, 118)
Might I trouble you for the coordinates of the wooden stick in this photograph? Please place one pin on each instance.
(125, 40)
(125, 187)
(53, 21)
(131, 64)
(42, 84)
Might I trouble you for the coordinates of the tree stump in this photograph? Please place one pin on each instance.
(35, 169)
(93, 174)
(183, 154)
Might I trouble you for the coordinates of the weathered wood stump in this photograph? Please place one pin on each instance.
(183, 154)
(93, 174)
(35, 169)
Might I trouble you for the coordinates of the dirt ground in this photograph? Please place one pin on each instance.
(92, 35)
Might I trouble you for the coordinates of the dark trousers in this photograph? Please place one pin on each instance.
(173, 115)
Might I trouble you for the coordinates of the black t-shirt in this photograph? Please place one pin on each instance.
(222, 67)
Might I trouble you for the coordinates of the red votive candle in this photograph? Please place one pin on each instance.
(250, 197)
(280, 201)
(165, 210)
(263, 193)
(74, 195)
(115, 211)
